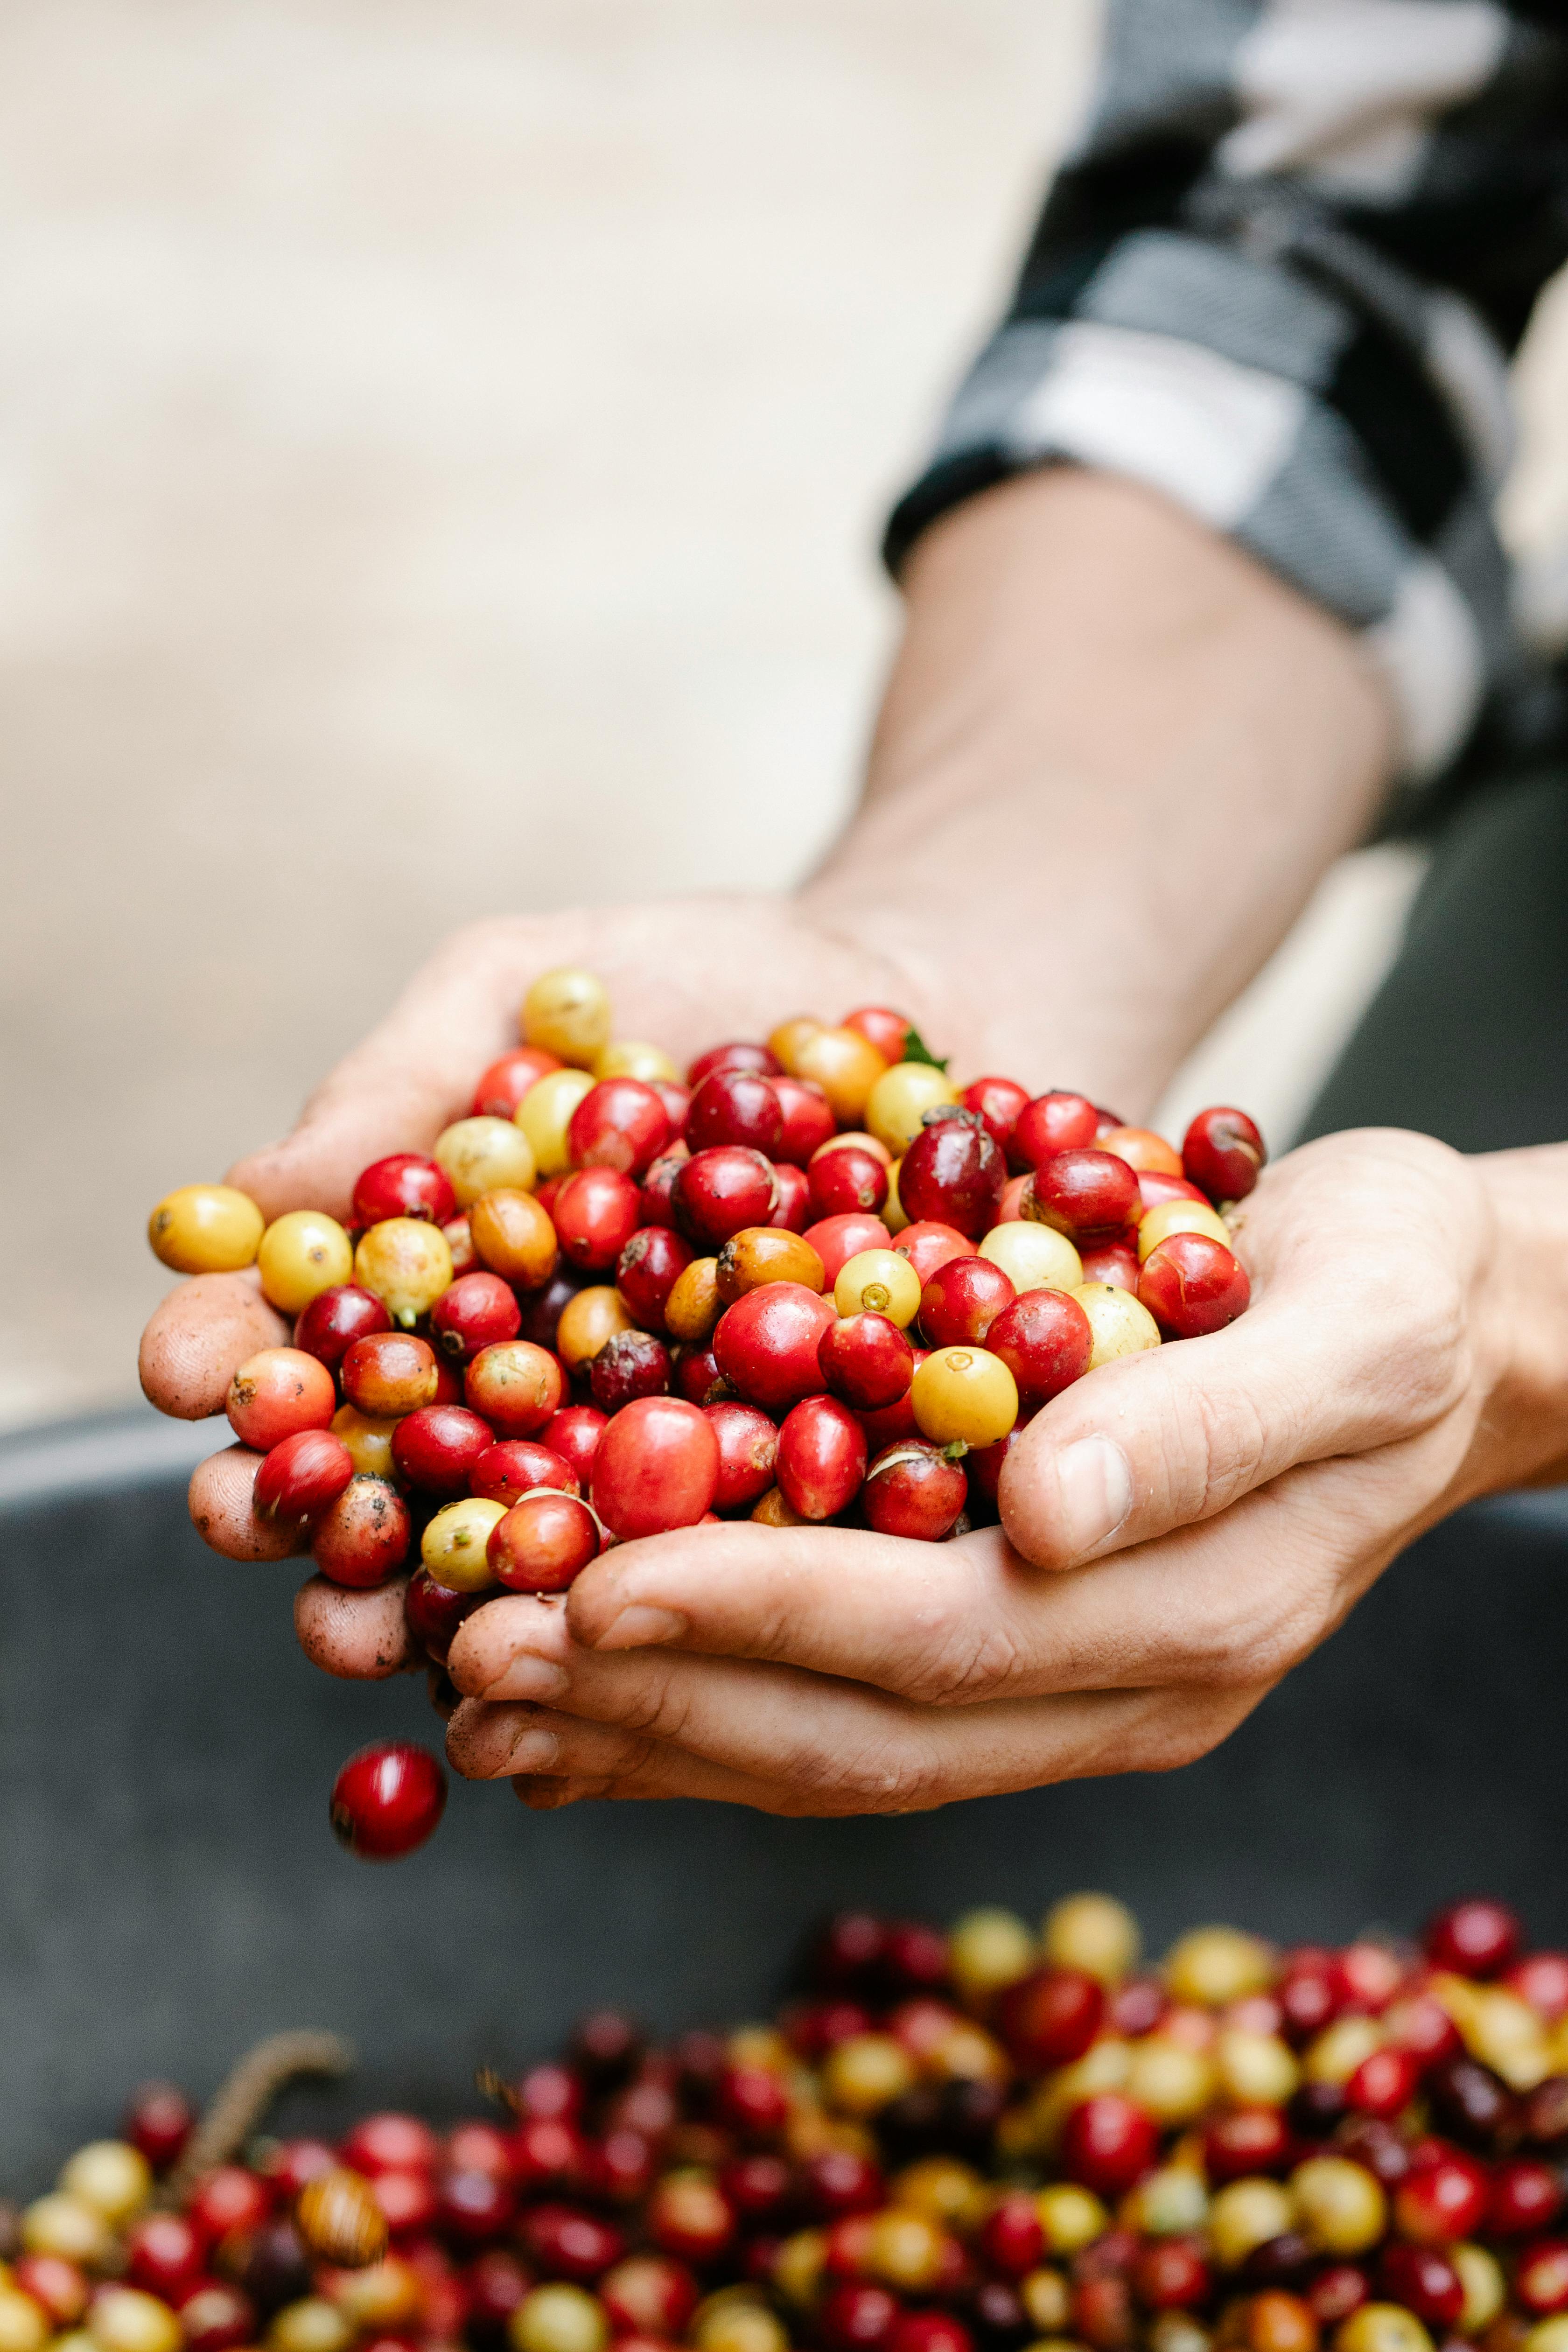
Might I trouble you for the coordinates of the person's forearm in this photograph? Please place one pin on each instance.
(1522, 1439)
(1113, 758)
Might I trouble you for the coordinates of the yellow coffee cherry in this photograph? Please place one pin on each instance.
(941, 2189)
(1486, 2289)
(1339, 2050)
(1178, 2331)
(900, 1098)
(905, 2249)
(123, 2319)
(964, 1396)
(311, 2325)
(1047, 2299)
(24, 2323)
(987, 1951)
(1341, 2205)
(966, 2052)
(1171, 1217)
(738, 2320)
(492, 1155)
(302, 1255)
(1505, 2033)
(1092, 1932)
(369, 1442)
(110, 2176)
(628, 1057)
(453, 1546)
(407, 1262)
(862, 2072)
(1118, 1324)
(590, 1318)
(205, 1229)
(1385, 2327)
(567, 1012)
(788, 1039)
(1175, 2084)
(62, 2224)
(1167, 2203)
(559, 2318)
(1247, 2214)
(385, 2295)
(694, 1306)
(798, 2267)
(1070, 2217)
(892, 1209)
(1256, 2070)
(1214, 1966)
(1548, 2334)
(544, 1116)
(847, 1066)
(1033, 1257)
(879, 1282)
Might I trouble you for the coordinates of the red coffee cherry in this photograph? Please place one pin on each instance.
(1045, 1340)
(543, 1542)
(748, 1449)
(646, 1272)
(720, 1192)
(1223, 1153)
(734, 1107)
(438, 1448)
(1088, 1195)
(387, 1799)
(821, 1457)
(516, 1466)
(1191, 1284)
(480, 1310)
(953, 1171)
(335, 1319)
(1051, 1123)
(301, 1475)
(622, 1123)
(766, 1344)
(657, 1467)
(961, 1300)
(405, 1184)
(867, 1360)
(596, 1213)
(914, 1490)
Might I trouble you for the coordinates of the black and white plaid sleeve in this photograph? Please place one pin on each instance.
(1278, 279)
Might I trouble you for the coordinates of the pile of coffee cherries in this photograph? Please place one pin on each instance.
(980, 2141)
(813, 1280)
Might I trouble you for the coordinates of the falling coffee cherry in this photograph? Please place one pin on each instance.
(387, 1799)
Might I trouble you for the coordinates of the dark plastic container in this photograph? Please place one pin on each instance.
(170, 1890)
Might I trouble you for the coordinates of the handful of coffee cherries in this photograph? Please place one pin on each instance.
(814, 1280)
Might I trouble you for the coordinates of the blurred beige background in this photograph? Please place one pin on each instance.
(442, 446)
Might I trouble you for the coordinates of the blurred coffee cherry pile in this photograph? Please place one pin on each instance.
(975, 2142)
(814, 1280)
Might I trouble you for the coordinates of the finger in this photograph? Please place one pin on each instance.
(199, 1337)
(358, 1636)
(493, 1743)
(1350, 1344)
(221, 1501)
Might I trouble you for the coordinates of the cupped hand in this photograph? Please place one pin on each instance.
(680, 974)
(1178, 1530)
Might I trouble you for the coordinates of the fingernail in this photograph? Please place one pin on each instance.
(535, 1750)
(1095, 1487)
(641, 1626)
(527, 1677)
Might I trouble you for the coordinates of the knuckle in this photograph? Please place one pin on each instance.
(967, 1663)
(884, 1774)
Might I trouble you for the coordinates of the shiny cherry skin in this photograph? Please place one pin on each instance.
(302, 1476)
(954, 1171)
(503, 1086)
(335, 1319)
(228, 2198)
(567, 2241)
(1223, 1153)
(1384, 2084)
(999, 1102)
(434, 1612)
(1476, 1938)
(961, 1300)
(1540, 2281)
(517, 1388)
(929, 1243)
(1154, 1187)
(840, 1182)
(596, 1213)
(1190, 1284)
(405, 1184)
(1442, 2202)
(865, 1360)
(894, 1424)
(737, 1106)
(695, 1375)
(573, 1434)
(1541, 1979)
(657, 1206)
(889, 1032)
(389, 1374)
(646, 1272)
(1013, 2236)
(1050, 1123)
(1425, 2282)
(478, 1311)
(165, 2255)
(387, 1799)
(1050, 2017)
(1526, 2195)
(1417, 2023)
(837, 1239)
(748, 1449)
(856, 2316)
(676, 1101)
(1108, 2142)
(515, 1466)
(472, 2206)
(279, 1390)
(913, 1489)
(792, 1203)
(808, 1119)
(543, 1542)
(741, 1055)
(1045, 1340)
(364, 1536)
(690, 2217)
(621, 1125)
(821, 1457)
(720, 1192)
(1088, 1195)
(1171, 2275)
(1113, 1263)
(657, 1467)
(1241, 2141)
(766, 1344)
(438, 1448)
(630, 1365)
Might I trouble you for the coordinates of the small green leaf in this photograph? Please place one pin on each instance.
(916, 1050)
